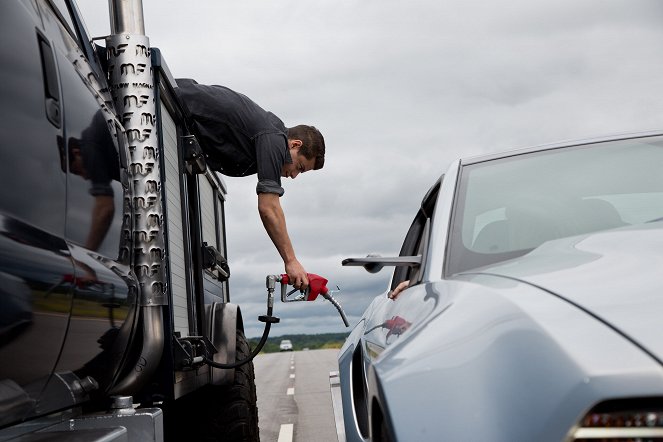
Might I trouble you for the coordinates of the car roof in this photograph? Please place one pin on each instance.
(557, 145)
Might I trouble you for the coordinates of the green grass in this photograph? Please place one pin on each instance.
(300, 342)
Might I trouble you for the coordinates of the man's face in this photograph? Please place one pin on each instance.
(300, 163)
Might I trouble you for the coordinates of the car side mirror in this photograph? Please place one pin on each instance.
(375, 263)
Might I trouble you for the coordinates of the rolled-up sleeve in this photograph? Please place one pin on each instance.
(269, 186)
(271, 155)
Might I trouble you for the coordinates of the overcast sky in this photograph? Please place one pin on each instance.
(399, 89)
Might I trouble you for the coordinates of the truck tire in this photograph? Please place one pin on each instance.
(219, 413)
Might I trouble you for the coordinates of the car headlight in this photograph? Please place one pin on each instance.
(622, 421)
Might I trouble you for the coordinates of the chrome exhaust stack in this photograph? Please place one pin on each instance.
(127, 17)
(132, 88)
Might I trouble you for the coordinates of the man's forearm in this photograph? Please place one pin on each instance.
(273, 220)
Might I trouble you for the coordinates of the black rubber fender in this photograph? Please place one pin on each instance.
(222, 320)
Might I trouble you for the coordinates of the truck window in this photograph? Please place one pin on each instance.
(221, 219)
(61, 10)
(211, 212)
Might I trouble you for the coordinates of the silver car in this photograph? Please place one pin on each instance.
(526, 304)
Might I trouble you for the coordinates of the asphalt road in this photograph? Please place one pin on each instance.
(294, 402)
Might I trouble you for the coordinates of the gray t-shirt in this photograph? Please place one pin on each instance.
(239, 138)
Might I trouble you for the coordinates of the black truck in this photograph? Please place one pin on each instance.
(114, 301)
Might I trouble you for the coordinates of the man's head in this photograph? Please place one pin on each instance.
(307, 149)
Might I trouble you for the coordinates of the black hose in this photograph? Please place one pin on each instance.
(268, 325)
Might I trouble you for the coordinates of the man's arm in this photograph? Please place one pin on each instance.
(271, 214)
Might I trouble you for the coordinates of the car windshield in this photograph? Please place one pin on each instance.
(509, 206)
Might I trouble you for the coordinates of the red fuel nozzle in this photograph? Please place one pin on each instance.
(317, 285)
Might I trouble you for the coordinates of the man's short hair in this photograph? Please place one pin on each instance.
(313, 143)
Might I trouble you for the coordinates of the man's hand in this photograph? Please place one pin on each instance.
(273, 220)
(297, 275)
(393, 295)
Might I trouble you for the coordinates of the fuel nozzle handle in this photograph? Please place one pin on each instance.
(317, 285)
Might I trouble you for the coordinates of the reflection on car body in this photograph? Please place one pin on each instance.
(532, 306)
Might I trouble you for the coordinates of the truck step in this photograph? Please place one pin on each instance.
(140, 425)
(118, 434)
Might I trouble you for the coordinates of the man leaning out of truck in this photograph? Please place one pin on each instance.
(239, 139)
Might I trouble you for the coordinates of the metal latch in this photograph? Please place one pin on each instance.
(194, 158)
(213, 260)
(190, 350)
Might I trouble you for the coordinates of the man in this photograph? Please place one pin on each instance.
(239, 139)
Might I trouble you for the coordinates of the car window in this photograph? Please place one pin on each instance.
(416, 239)
(507, 207)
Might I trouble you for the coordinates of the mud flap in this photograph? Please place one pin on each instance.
(222, 321)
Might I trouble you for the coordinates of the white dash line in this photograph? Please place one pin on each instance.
(292, 376)
(290, 391)
(286, 432)
(292, 367)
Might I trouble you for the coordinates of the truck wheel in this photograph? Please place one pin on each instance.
(219, 413)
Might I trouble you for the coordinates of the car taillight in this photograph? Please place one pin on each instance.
(622, 421)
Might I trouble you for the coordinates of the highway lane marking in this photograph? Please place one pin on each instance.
(292, 367)
(290, 391)
(286, 432)
(292, 376)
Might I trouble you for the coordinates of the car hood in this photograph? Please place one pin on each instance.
(615, 275)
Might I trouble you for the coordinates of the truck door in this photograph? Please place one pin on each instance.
(97, 225)
(35, 265)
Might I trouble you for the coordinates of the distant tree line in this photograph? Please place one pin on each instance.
(301, 342)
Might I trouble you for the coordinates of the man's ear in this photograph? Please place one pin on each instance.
(295, 144)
